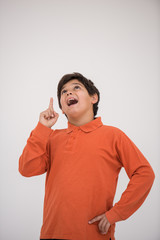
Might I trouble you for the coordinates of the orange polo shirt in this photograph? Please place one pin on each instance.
(82, 165)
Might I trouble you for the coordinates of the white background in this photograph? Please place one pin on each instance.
(116, 44)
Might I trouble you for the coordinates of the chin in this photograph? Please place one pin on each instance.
(74, 114)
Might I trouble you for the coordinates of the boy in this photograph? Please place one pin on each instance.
(82, 164)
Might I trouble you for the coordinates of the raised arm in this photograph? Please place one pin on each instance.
(34, 159)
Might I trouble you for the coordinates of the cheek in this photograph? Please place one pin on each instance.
(85, 98)
(62, 102)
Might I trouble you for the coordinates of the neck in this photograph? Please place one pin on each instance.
(80, 121)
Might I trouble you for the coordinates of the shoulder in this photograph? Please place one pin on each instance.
(112, 130)
(119, 135)
(109, 133)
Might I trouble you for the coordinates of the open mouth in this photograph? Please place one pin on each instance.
(72, 101)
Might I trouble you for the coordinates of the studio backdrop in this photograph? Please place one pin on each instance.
(116, 44)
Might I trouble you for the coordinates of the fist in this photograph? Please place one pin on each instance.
(49, 117)
(103, 225)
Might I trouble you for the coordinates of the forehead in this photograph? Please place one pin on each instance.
(72, 82)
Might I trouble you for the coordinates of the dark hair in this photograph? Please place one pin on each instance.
(89, 85)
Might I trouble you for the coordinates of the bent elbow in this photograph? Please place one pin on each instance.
(24, 173)
(151, 176)
(28, 171)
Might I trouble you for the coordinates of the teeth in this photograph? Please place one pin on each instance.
(71, 100)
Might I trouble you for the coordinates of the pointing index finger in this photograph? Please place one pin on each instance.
(51, 103)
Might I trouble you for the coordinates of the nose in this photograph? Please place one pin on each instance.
(69, 93)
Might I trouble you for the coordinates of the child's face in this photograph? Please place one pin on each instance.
(75, 100)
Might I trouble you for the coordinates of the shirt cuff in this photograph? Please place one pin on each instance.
(112, 216)
(42, 131)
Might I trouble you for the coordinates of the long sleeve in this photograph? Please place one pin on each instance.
(141, 178)
(35, 156)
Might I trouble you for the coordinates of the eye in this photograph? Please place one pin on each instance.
(76, 87)
(63, 91)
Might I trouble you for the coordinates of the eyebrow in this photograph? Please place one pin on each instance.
(73, 84)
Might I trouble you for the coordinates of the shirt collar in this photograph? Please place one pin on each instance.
(88, 127)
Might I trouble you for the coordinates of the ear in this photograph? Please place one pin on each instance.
(94, 98)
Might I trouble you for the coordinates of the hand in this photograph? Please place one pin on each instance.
(103, 225)
(49, 117)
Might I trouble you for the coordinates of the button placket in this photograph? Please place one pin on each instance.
(72, 139)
